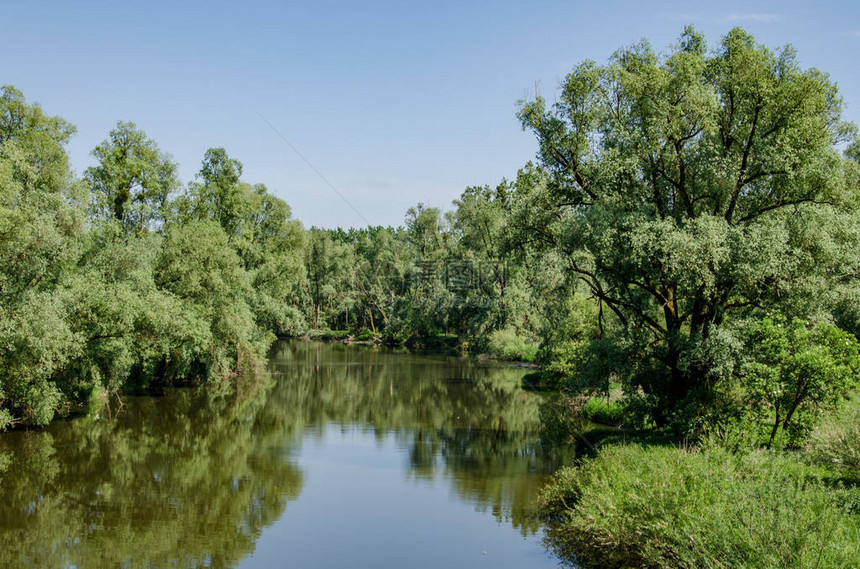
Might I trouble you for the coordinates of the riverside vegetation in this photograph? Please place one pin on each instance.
(682, 259)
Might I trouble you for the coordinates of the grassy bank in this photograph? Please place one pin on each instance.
(635, 506)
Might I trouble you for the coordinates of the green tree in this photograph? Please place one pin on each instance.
(133, 179)
(688, 189)
(797, 371)
(272, 251)
(425, 231)
(41, 229)
(35, 141)
(480, 224)
(330, 274)
(382, 262)
(197, 265)
(218, 194)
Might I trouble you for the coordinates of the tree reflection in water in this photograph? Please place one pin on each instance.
(183, 480)
(471, 423)
(191, 478)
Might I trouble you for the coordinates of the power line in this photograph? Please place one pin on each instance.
(323, 178)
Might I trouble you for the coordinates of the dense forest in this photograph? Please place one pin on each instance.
(684, 250)
(124, 278)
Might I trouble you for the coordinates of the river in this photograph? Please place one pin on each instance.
(348, 457)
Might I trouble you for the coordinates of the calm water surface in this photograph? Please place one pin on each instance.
(350, 457)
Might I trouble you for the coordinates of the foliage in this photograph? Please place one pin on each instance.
(132, 180)
(509, 344)
(835, 443)
(329, 274)
(198, 266)
(673, 180)
(797, 371)
(669, 507)
(604, 411)
(122, 287)
(567, 351)
(41, 230)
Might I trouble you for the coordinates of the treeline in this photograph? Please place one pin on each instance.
(687, 242)
(465, 278)
(125, 278)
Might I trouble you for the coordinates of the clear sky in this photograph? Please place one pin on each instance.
(394, 102)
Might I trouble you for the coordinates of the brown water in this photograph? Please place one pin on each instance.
(350, 457)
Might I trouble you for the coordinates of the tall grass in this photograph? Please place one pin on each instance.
(604, 411)
(835, 443)
(663, 507)
(511, 345)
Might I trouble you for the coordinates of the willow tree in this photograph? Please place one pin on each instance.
(41, 225)
(687, 190)
(132, 180)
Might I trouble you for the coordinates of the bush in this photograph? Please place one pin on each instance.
(667, 507)
(604, 411)
(365, 335)
(835, 443)
(510, 345)
(565, 350)
(797, 371)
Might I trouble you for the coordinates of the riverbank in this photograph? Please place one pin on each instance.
(637, 506)
(440, 343)
(640, 502)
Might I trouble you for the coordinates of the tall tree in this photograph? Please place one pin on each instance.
(41, 228)
(330, 277)
(689, 189)
(218, 194)
(132, 180)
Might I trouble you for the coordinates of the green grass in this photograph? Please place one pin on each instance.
(604, 411)
(508, 344)
(666, 507)
(835, 442)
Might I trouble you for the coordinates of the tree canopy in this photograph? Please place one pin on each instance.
(691, 189)
(677, 202)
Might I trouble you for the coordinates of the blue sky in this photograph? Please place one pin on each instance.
(395, 103)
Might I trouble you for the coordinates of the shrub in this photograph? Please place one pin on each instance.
(835, 443)
(364, 335)
(510, 345)
(797, 371)
(668, 507)
(604, 411)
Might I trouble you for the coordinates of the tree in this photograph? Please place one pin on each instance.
(219, 194)
(133, 179)
(330, 275)
(689, 189)
(197, 265)
(797, 371)
(41, 226)
(382, 263)
(425, 231)
(272, 251)
(34, 141)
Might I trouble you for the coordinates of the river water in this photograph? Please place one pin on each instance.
(349, 457)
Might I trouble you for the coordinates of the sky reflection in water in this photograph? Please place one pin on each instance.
(350, 457)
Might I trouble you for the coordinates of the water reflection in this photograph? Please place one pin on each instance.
(471, 424)
(184, 480)
(192, 478)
